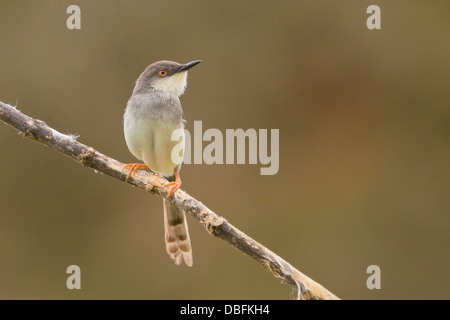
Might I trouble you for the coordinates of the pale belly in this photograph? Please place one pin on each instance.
(151, 142)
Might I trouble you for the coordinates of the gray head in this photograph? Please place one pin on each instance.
(167, 76)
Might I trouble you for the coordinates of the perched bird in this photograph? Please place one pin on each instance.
(152, 114)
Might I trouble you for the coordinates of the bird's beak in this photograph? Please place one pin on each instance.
(189, 65)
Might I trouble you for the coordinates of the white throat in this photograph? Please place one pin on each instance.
(175, 84)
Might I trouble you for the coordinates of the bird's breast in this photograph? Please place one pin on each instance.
(148, 134)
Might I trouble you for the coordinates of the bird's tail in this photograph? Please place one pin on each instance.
(178, 242)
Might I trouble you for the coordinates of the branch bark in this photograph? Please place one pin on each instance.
(37, 130)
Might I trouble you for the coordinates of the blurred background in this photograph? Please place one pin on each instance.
(364, 147)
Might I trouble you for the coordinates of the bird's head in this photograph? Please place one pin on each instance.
(167, 76)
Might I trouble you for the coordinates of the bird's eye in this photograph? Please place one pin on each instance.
(162, 72)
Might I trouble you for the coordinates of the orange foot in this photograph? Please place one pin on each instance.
(174, 186)
(133, 167)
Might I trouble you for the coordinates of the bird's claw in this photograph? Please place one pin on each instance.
(133, 167)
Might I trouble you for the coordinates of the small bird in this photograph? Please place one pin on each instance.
(152, 114)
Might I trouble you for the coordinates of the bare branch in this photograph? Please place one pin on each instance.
(39, 131)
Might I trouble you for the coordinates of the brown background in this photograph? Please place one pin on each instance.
(364, 147)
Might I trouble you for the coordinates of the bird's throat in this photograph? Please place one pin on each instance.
(175, 84)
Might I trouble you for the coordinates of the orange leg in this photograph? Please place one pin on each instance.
(133, 167)
(175, 185)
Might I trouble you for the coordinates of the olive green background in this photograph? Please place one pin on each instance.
(364, 147)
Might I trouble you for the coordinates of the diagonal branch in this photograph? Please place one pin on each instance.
(37, 130)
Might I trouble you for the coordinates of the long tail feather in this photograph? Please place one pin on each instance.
(178, 242)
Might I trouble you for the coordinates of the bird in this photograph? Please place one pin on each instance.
(152, 114)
